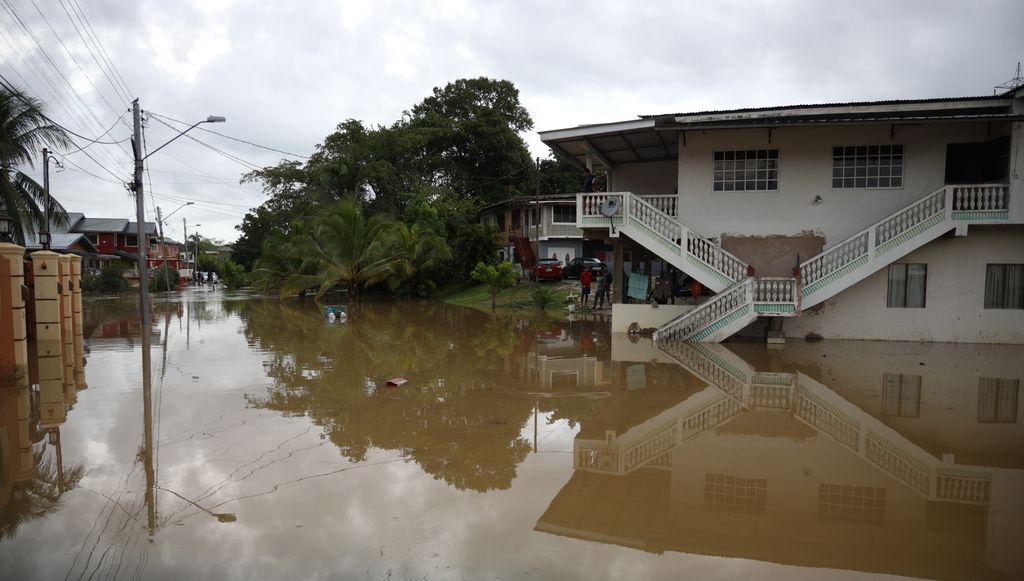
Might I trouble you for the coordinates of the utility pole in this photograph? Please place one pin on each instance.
(140, 216)
(163, 248)
(184, 229)
(44, 232)
(536, 194)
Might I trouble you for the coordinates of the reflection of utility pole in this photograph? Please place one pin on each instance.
(147, 443)
(44, 232)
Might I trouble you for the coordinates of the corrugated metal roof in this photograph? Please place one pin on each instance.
(101, 225)
(865, 104)
(133, 227)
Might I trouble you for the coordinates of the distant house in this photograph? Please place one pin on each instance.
(529, 227)
(897, 220)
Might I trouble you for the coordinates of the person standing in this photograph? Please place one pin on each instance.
(604, 285)
(588, 181)
(586, 277)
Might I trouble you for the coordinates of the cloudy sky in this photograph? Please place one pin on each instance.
(285, 73)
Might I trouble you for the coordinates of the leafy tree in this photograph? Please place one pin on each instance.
(25, 129)
(497, 278)
(111, 279)
(159, 281)
(474, 243)
(559, 176)
(542, 297)
(471, 130)
(232, 274)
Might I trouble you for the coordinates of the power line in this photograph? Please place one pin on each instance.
(87, 172)
(238, 160)
(122, 89)
(232, 138)
(99, 45)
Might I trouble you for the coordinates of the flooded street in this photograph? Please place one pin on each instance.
(516, 450)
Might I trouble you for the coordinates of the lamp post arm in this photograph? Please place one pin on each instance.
(172, 140)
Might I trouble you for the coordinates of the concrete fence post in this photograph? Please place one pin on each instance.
(49, 343)
(13, 328)
(67, 328)
(76, 321)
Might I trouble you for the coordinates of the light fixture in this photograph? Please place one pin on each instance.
(44, 240)
(6, 225)
(817, 200)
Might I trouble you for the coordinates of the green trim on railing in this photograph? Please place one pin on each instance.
(600, 220)
(828, 406)
(719, 361)
(833, 276)
(780, 379)
(774, 307)
(904, 237)
(713, 327)
(657, 236)
(709, 269)
(981, 215)
(962, 473)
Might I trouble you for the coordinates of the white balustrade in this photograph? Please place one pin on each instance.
(834, 258)
(590, 204)
(983, 197)
(712, 255)
(774, 290)
(667, 204)
(911, 216)
(950, 485)
(685, 326)
(705, 368)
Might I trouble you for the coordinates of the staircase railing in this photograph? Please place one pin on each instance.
(667, 204)
(980, 197)
(718, 307)
(877, 238)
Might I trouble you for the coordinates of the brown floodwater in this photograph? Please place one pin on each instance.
(517, 449)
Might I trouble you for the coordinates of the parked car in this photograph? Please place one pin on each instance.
(546, 269)
(576, 266)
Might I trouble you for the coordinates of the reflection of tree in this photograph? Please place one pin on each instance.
(447, 419)
(38, 496)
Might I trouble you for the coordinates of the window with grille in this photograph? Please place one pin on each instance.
(725, 493)
(867, 166)
(746, 170)
(845, 503)
(1004, 286)
(901, 395)
(563, 214)
(997, 400)
(907, 286)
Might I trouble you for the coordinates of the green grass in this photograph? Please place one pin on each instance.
(516, 299)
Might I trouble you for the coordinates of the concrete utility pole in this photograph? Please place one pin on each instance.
(184, 229)
(44, 232)
(163, 248)
(140, 216)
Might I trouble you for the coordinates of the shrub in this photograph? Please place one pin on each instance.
(543, 297)
(111, 279)
(161, 281)
(233, 275)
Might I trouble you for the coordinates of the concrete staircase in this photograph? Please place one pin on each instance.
(742, 297)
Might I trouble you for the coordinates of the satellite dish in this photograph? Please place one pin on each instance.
(609, 207)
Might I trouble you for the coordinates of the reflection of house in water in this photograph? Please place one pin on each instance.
(779, 466)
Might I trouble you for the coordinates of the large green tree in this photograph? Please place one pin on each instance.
(25, 129)
(471, 129)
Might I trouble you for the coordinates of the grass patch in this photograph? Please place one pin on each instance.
(516, 299)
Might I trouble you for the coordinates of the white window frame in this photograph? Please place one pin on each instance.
(854, 156)
(761, 174)
(554, 218)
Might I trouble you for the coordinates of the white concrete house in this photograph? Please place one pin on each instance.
(899, 220)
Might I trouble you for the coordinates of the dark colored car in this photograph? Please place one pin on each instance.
(576, 266)
(546, 269)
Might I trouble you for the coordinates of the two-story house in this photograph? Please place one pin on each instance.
(544, 226)
(897, 220)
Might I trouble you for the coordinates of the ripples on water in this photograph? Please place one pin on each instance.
(519, 448)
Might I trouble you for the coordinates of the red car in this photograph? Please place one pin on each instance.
(546, 269)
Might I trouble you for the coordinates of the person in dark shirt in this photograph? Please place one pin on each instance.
(588, 181)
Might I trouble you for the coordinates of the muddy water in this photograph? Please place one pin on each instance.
(516, 450)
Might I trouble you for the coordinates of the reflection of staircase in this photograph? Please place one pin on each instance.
(736, 387)
(743, 297)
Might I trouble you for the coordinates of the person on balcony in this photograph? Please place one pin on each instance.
(588, 181)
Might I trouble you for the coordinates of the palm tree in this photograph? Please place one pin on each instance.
(420, 250)
(23, 130)
(345, 248)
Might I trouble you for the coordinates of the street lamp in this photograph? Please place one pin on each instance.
(140, 209)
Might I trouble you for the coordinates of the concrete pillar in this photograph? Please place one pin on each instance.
(618, 268)
(67, 328)
(76, 321)
(49, 343)
(13, 329)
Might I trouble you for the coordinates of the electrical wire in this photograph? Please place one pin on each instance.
(122, 89)
(244, 163)
(232, 138)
